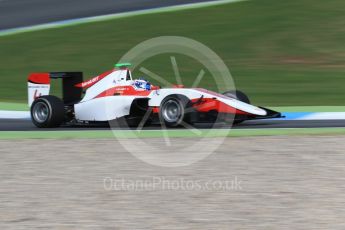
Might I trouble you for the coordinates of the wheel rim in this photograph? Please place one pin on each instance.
(40, 112)
(171, 111)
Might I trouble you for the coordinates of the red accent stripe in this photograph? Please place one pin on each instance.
(211, 92)
(178, 86)
(39, 78)
(209, 104)
(123, 91)
(92, 81)
(155, 109)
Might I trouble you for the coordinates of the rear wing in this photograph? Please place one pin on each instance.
(39, 85)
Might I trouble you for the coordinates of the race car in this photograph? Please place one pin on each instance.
(114, 95)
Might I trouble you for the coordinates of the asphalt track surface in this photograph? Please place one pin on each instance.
(26, 125)
(19, 13)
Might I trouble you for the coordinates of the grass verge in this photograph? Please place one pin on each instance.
(13, 106)
(279, 52)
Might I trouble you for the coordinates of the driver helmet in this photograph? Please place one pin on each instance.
(142, 84)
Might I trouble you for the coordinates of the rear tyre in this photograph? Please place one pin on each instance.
(47, 112)
(173, 110)
(238, 95)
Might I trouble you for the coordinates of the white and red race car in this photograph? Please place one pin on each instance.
(115, 95)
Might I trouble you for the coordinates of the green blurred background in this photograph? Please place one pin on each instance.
(279, 52)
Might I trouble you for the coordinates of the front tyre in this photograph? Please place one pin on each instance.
(47, 112)
(173, 110)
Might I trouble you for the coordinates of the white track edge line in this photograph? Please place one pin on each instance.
(72, 22)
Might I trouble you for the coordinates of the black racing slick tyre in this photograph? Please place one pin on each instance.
(239, 95)
(47, 112)
(173, 110)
